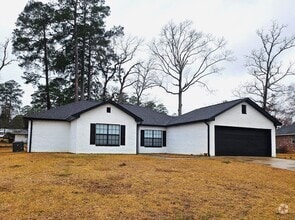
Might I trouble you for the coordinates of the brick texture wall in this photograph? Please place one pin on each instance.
(285, 142)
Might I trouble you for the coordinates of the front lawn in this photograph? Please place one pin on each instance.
(68, 186)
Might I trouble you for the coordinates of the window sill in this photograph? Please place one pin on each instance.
(153, 146)
(108, 145)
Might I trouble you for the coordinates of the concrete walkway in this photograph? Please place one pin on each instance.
(269, 161)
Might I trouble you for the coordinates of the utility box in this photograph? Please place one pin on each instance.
(18, 146)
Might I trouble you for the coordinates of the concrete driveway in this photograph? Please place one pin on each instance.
(268, 161)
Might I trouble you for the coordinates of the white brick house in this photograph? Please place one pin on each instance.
(238, 127)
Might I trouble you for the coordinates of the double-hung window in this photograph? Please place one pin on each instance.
(153, 138)
(107, 134)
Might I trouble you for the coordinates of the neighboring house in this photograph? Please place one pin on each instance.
(20, 135)
(285, 137)
(238, 127)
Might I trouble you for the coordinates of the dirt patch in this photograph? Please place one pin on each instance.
(106, 188)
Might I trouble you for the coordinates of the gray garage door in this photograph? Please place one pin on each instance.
(234, 141)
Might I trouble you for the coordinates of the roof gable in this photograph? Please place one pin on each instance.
(209, 113)
(73, 111)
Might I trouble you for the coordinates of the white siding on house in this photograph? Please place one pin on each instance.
(234, 118)
(50, 136)
(80, 130)
(148, 150)
(73, 137)
(187, 139)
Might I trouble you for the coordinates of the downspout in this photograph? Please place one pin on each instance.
(31, 131)
(208, 137)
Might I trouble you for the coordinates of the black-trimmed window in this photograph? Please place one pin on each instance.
(244, 109)
(153, 138)
(107, 134)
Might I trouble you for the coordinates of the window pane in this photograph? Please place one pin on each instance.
(114, 139)
(148, 142)
(114, 129)
(157, 134)
(101, 139)
(148, 133)
(101, 129)
(157, 142)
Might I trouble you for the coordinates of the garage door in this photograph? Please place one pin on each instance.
(233, 141)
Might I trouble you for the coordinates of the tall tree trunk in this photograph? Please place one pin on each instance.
(180, 102)
(76, 53)
(83, 53)
(46, 70)
(265, 92)
(104, 91)
(83, 69)
(180, 94)
(89, 72)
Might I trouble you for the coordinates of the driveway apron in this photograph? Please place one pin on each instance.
(269, 161)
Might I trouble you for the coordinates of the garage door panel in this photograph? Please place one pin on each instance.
(233, 141)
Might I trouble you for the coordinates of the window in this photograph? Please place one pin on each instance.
(108, 109)
(153, 138)
(244, 109)
(293, 139)
(107, 135)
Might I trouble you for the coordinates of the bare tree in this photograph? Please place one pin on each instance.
(4, 59)
(282, 104)
(185, 57)
(125, 48)
(144, 79)
(266, 65)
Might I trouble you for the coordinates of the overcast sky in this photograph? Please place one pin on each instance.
(235, 20)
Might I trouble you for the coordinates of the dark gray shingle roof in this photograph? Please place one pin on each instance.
(148, 116)
(65, 112)
(145, 115)
(286, 130)
(206, 113)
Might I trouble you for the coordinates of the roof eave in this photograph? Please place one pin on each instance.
(45, 119)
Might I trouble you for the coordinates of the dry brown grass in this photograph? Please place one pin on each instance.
(67, 186)
(290, 156)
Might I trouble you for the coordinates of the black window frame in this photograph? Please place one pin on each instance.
(244, 109)
(153, 139)
(108, 135)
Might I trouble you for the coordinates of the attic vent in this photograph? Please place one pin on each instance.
(108, 109)
(244, 109)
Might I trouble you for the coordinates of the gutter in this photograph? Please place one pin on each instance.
(31, 130)
(208, 138)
